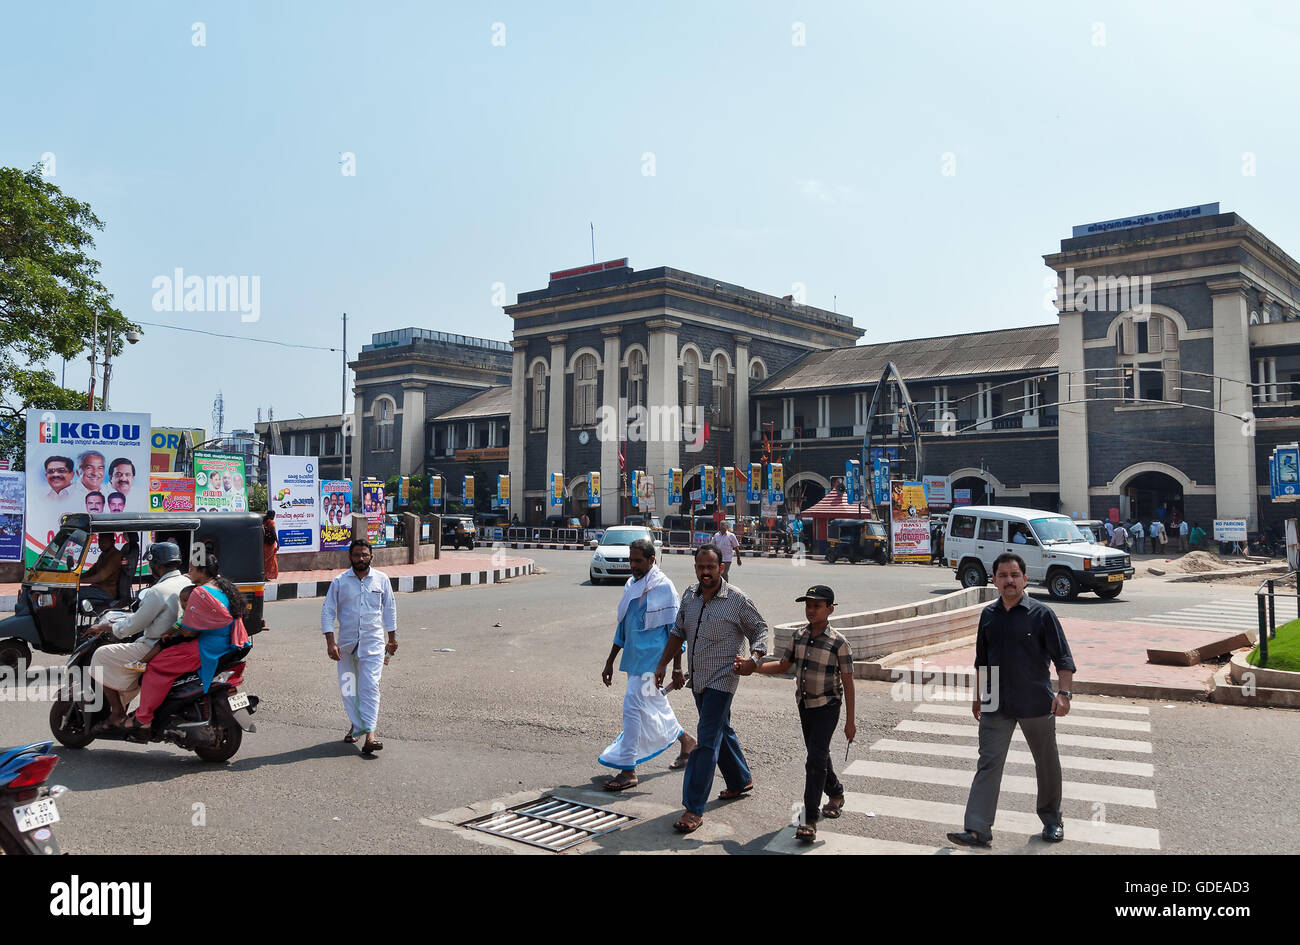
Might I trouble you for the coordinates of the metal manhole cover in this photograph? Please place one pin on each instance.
(552, 823)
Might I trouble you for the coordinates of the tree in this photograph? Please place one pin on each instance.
(49, 296)
(257, 497)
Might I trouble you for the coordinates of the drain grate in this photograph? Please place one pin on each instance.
(551, 823)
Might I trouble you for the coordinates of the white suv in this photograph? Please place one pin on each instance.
(1057, 553)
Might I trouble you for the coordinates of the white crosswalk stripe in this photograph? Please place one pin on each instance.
(1230, 615)
(1017, 784)
(831, 844)
(1126, 725)
(1062, 738)
(1140, 769)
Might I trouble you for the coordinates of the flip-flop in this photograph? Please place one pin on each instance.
(350, 738)
(833, 808)
(370, 748)
(614, 784)
(730, 795)
(686, 825)
(680, 762)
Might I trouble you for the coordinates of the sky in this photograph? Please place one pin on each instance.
(422, 164)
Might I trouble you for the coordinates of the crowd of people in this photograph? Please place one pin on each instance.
(1155, 537)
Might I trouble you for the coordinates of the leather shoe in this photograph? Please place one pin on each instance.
(1054, 834)
(968, 838)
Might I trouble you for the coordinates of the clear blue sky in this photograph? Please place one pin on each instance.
(476, 163)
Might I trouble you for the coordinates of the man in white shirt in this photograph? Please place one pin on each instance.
(1182, 536)
(1139, 535)
(729, 546)
(58, 476)
(363, 603)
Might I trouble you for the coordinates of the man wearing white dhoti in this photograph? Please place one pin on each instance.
(363, 602)
(645, 615)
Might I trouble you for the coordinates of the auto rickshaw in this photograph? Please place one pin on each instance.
(857, 540)
(48, 617)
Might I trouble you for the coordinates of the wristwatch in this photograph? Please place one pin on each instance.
(1066, 693)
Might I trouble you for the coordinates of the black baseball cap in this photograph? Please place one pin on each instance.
(817, 592)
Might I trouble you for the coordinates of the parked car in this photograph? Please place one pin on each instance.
(458, 530)
(610, 556)
(1057, 554)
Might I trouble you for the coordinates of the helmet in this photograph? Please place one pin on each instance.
(164, 552)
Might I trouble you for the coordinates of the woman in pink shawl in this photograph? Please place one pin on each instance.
(210, 615)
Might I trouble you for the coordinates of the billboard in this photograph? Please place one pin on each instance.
(372, 504)
(11, 516)
(78, 461)
(335, 514)
(937, 491)
(170, 492)
(219, 482)
(165, 443)
(295, 485)
(909, 521)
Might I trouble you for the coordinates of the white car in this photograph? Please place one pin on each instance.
(609, 557)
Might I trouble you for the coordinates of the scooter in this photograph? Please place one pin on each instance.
(27, 808)
(209, 724)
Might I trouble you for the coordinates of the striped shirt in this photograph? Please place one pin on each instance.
(818, 662)
(716, 633)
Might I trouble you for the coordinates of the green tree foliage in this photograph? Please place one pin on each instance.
(257, 497)
(49, 294)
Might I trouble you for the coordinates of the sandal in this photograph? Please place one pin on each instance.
(730, 795)
(350, 737)
(688, 823)
(622, 782)
(806, 832)
(680, 762)
(833, 808)
(370, 747)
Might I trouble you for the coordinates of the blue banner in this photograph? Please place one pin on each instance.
(880, 480)
(296, 537)
(852, 481)
(754, 488)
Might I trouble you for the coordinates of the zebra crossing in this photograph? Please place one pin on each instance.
(919, 776)
(1230, 615)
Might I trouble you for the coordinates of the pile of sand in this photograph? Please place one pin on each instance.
(1195, 562)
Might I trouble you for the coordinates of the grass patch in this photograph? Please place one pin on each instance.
(1283, 650)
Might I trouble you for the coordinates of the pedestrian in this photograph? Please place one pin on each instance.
(719, 623)
(823, 681)
(728, 545)
(363, 603)
(1110, 532)
(270, 546)
(1161, 536)
(1197, 535)
(1139, 536)
(1016, 639)
(1120, 537)
(646, 614)
(1182, 536)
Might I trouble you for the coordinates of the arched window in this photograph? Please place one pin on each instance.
(635, 379)
(384, 413)
(1147, 357)
(721, 393)
(690, 386)
(584, 391)
(756, 372)
(539, 397)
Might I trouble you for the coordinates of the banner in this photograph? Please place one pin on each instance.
(79, 461)
(674, 486)
(372, 504)
(593, 490)
(219, 482)
(728, 485)
(165, 443)
(1230, 529)
(937, 491)
(880, 480)
(170, 492)
(403, 490)
(335, 514)
(645, 487)
(754, 488)
(11, 516)
(852, 481)
(294, 483)
(707, 489)
(962, 497)
(503, 491)
(910, 521)
(556, 492)
(775, 483)
(636, 493)
(435, 492)
(467, 492)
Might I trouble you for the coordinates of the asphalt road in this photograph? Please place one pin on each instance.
(516, 709)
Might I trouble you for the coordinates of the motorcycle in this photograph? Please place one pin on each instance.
(209, 724)
(27, 808)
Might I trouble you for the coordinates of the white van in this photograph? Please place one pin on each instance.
(1058, 554)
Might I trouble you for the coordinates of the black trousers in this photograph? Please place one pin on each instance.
(818, 728)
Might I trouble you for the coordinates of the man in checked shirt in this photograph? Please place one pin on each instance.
(720, 625)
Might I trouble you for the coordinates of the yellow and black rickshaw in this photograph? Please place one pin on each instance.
(48, 616)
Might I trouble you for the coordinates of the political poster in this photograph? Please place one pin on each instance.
(503, 491)
(335, 514)
(11, 515)
(645, 487)
(593, 489)
(435, 492)
(636, 495)
(467, 491)
(165, 445)
(707, 488)
(937, 491)
(556, 492)
(81, 461)
(170, 492)
(674, 486)
(728, 484)
(372, 504)
(293, 490)
(909, 520)
(776, 483)
(219, 482)
(754, 487)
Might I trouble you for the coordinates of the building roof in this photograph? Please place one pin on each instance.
(1009, 350)
(493, 402)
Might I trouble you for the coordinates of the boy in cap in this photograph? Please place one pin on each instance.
(824, 679)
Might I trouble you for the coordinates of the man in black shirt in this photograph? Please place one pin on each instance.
(1016, 639)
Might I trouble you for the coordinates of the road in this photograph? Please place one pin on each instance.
(495, 697)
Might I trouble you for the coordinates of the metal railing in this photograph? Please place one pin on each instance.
(1266, 597)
